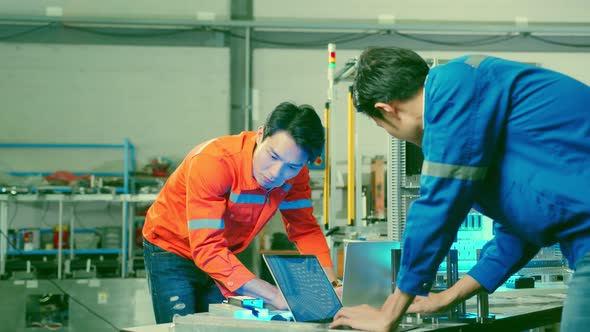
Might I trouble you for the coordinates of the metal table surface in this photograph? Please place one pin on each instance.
(514, 310)
(522, 309)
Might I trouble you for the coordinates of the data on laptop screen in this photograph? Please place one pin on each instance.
(305, 286)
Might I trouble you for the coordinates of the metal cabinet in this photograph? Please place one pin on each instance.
(75, 305)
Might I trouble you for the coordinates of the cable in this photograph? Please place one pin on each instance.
(22, 33)
(85, 306)
(553, 42)
(342, 39)
(66, 293)
(78, 220)
(13, 217)
(151, 34)
(41, 220)
(110, 212)
(476, 42)
(44, 215)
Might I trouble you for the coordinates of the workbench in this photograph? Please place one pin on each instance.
(514, 310)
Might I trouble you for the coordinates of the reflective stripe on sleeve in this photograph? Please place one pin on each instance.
(459, 172)
(203, 146)
(206, 223)
(299, 204)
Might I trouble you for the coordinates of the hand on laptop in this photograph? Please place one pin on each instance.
(261, 289)
(278, 301)
(338, 291)
(362, 317)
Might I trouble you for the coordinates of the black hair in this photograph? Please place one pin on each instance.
(300, 122)
(386, 74)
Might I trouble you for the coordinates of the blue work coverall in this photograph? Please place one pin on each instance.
(511, 140)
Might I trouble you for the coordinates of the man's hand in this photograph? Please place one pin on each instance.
(363, 317)
(433, 303)
(278, 301)
(261, 289)
(443, 301)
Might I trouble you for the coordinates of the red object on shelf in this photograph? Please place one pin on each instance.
(67, 177)
(161, 173)
(64, 236)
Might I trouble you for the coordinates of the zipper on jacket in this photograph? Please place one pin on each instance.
(267, 195)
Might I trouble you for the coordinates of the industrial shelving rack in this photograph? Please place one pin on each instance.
(128, 161)
(62, 196)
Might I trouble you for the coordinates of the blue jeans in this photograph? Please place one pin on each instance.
(176, 284)
(575, 315)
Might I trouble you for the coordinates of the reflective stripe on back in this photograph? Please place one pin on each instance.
(475, 60)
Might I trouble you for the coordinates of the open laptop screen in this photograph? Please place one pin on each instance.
(305, 287)
(368, 272)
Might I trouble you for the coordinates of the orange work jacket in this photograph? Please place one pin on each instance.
(211, 208)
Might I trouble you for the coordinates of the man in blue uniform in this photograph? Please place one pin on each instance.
(509, 139)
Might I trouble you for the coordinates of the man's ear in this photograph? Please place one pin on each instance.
(259, 134)
(387, 109)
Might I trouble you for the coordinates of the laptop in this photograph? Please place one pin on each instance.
(305, 287)
(368, 272)
(307, 290)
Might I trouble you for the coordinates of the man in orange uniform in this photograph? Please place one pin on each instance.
(215, 203)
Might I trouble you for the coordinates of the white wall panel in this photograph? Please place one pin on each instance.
(186, 9)
(164, 99)
(454, 10)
